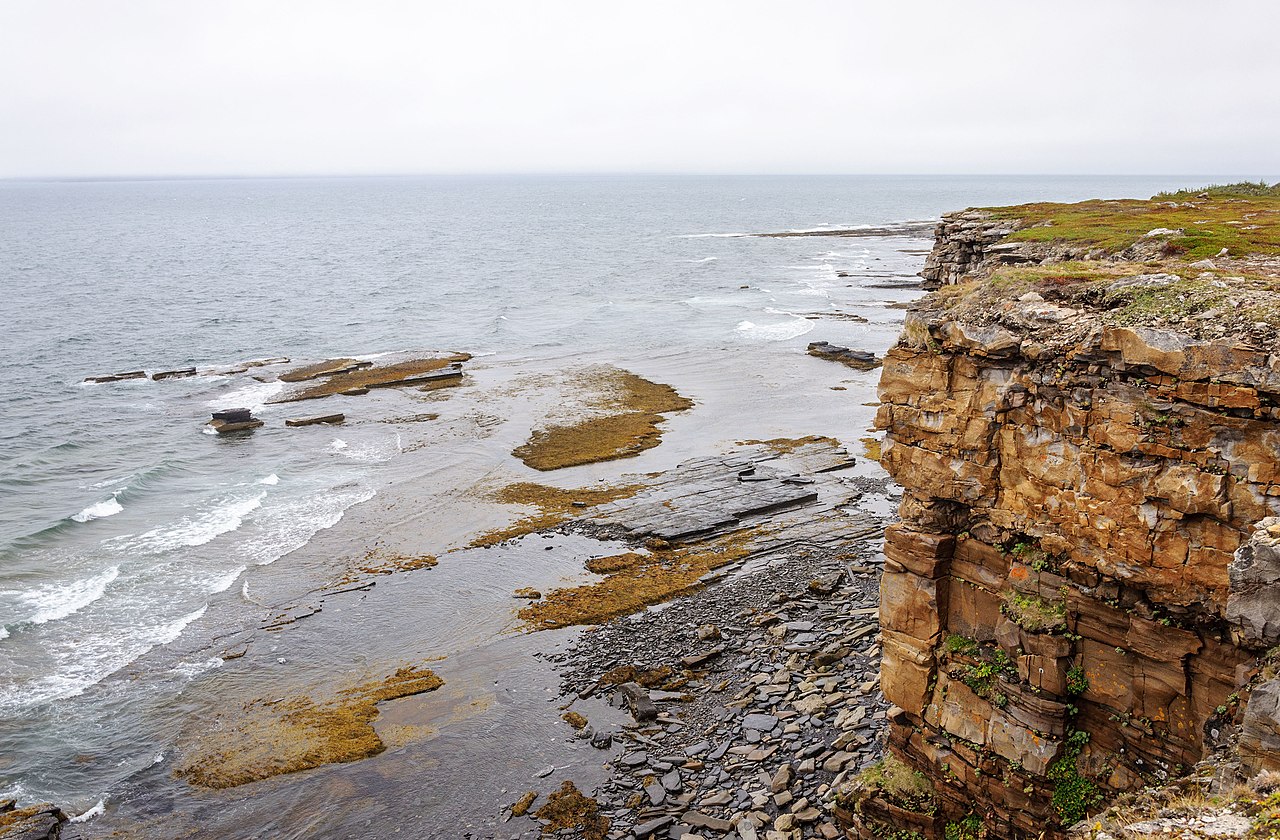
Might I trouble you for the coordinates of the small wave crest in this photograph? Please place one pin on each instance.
(253, 397)
(270, 480)
(56, 601)
(96, 811)
(100, 510)
(197, 530)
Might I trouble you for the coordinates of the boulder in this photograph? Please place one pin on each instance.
(1253, 605)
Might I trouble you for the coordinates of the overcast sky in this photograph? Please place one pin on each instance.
(178, 87)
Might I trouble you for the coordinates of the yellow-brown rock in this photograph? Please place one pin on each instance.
(1078, 592)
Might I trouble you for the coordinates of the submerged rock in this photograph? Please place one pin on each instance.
(857, 359)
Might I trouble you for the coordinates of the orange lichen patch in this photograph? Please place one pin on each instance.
(652, 578)
(636, 407)
(555, 505)
(574, 719)
(785, 446)
(400, 373)
(271, 737)
(569, 808)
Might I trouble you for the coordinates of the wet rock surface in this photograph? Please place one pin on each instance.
(748, 701)
(35, 822)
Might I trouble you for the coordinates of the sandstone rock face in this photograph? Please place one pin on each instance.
(1088, 562)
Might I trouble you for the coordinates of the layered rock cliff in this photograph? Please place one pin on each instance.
(1087, 568)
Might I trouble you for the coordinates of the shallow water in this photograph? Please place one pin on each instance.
(129, 540)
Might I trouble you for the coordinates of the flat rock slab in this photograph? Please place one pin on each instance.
(717, 494)
(312, 421)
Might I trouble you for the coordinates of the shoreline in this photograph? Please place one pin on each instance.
(407, 525)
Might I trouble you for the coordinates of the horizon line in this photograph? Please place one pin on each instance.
(598, 174)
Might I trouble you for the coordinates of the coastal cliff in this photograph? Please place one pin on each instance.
(1080, 594)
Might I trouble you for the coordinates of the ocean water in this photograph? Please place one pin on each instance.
(121, 521)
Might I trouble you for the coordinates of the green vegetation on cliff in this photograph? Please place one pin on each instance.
(1242, 218)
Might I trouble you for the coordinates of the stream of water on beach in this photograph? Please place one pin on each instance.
(123, 527)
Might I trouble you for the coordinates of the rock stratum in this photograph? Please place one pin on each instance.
(1079, 598)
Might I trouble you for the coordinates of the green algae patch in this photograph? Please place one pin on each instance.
(286, 735)
(554, 505)
(1200, 224)
(636, 407)
(569, 808)
(387, 376)
(641, 580)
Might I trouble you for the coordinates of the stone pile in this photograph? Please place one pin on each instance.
(761, 699)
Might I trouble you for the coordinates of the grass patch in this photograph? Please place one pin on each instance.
(1031, 612)
(1245, 223)
(898, 783)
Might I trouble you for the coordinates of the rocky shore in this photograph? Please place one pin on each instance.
(750, 701)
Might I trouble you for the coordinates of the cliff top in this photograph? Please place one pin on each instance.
(1204, 262)
(1242, 218)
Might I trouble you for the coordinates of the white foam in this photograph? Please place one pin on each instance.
(4, 632)
(96, 811)
(776, 332)
(55, 601)
(270, 480)
(198, 530)
(99, 510)
(337, 445)
(168, 632)
(704, 260)
(191, 670)
(223, 583)
(253, 397)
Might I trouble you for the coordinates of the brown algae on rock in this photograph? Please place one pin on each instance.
(555, 505)
(574, 719)
(272, 737)
(785, 446)
(357, 378)
(641, 580)
(522, 805)
(569, 808)
(636, 407)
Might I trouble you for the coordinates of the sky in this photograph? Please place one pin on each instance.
(227, 87)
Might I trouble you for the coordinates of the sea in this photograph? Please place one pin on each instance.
(123, 520)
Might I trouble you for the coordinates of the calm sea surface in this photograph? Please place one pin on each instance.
(120, 519)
